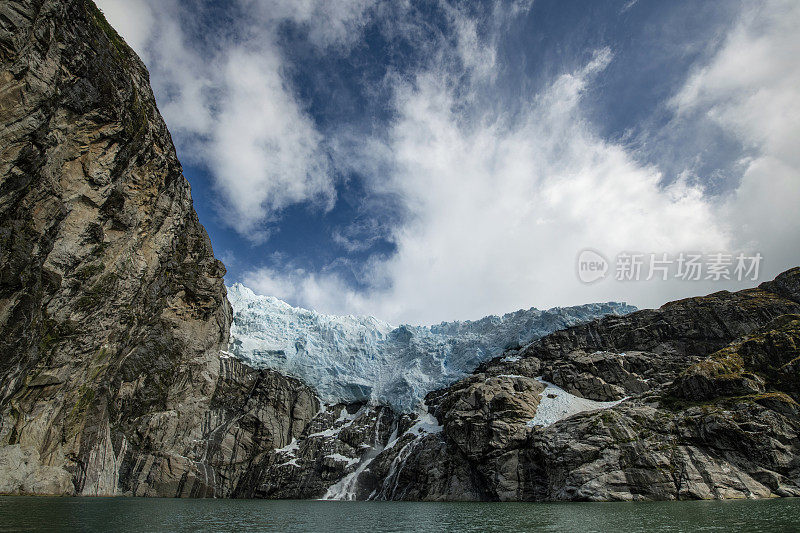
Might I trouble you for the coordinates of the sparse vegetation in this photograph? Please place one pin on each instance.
(89, 271)
(101, 291)
(98, 18)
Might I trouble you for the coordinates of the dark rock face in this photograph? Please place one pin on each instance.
(112, 305)
(710, 410)
(328, 458)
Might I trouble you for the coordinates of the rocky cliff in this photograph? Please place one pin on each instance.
(697, 399)
(709, 389)
(112, 305)
(114, 323)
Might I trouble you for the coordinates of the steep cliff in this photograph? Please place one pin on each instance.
(112, 305)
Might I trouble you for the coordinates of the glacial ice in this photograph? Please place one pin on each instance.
(360, 358)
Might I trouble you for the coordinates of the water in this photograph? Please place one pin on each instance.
(143, 514)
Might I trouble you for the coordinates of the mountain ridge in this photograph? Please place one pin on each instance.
(362, 359)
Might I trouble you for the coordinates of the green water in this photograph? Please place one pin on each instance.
(143, 514)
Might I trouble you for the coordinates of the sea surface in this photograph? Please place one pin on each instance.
(18, 513)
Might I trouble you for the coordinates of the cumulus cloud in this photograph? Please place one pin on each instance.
(750, 90)
(231, 106)
(502, 209)
(265, 152)
(495, 206)
(499, 207)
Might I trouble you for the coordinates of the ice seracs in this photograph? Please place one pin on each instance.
(360, 358)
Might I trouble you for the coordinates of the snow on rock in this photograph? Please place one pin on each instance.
(359, 358)
(290, 448)
(426, 424)
(557, 404)
(343, 459)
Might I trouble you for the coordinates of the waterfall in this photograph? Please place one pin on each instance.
(347, 487)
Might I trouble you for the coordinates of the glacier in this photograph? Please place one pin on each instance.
(364, 359)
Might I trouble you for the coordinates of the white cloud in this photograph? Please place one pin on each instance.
(233, 109)
(265, 152)
(497, 207)
(502, 210)
(628, 6)
(320, 290)
(750, 89)
(477, 55)
(328, 23)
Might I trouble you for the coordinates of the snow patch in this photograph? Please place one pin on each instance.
(557, 404)
(328, 433)
(344, 416)
(290, 448)
(425, 425)
(342, 459)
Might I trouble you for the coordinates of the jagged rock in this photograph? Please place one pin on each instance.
(729, 426)
(769, 357)
(422, 468)
(336, 443)
(112, 305)
(483, 414)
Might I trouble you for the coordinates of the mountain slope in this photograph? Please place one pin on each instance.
(114, 323)
(709, 409)
(697, 399)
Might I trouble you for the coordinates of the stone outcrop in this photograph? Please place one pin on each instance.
(112, 305)
(326, 460)
(710, 410)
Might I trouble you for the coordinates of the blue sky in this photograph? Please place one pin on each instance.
(426, 161)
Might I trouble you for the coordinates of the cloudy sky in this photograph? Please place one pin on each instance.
(438, 160)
